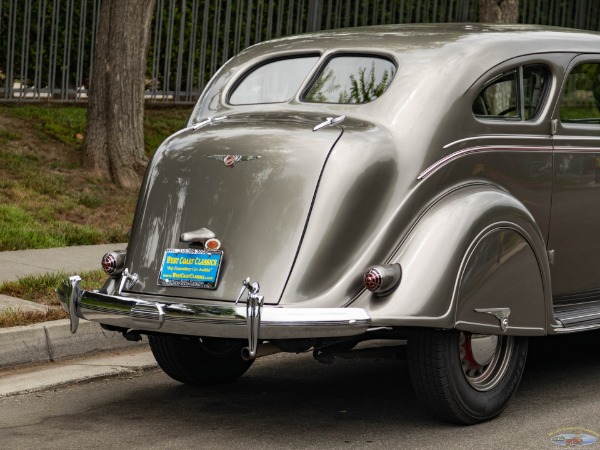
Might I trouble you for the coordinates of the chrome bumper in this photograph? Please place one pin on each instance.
(151, 314)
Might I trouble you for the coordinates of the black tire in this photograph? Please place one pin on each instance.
(199, 362)
(453, 385)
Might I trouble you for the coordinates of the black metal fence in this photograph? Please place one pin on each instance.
(46, 46)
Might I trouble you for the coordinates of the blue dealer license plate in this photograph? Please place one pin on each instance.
(190, 268)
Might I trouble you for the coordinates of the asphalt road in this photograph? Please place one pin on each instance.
(290, 401)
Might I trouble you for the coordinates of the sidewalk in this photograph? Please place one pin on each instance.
(52, 341)
(20, 263)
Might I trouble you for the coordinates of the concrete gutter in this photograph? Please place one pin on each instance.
(23, 380)
(49, 341)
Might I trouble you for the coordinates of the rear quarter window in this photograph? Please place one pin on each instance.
(501, 97)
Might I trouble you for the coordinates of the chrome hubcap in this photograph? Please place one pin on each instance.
(484, 358)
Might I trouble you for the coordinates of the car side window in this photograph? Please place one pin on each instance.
(501, 98)
(274, 82)
(580, 101)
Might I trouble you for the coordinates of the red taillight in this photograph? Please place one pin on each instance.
(113, 262)
(381, 280)
(373, 279)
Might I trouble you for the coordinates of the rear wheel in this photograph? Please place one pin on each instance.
(199, 362)
(463, 377)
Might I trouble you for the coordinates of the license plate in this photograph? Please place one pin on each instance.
(190, 268)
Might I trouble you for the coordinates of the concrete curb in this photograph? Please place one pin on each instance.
(53, 340)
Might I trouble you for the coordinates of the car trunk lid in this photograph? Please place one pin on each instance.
(257, 208)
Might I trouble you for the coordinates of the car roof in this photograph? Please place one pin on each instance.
(403, 38)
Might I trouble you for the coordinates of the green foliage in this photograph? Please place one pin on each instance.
(365, 90)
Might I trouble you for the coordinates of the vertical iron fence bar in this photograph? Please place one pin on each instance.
(347, 13)
(156, 44)
(279, 25)
(238, 26)
(465, 11)
(25, 48)
(290, 18)
(10, 46)
(203, 44)
(168, 51)
(556, 12)
(299, 17)
(259, 21)
(248, 24)
(53, 47)
(95, 15)
(189, 84)
(581, 17)
(215, 40)
(327, 25)
(401, 12)
(39, 49)
(375, 18)
(67, 51)
(226, 32)
(179, 68)
(269, 29)
(80, 50)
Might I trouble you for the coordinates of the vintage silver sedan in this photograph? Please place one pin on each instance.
(349, 192)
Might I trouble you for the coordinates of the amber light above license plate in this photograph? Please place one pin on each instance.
(190, 268)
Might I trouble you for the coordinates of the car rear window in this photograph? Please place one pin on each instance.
(351, 79)
(273, 82)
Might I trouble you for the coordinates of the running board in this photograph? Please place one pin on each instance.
(584, 315)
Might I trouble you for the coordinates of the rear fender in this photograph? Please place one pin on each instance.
(476, 248)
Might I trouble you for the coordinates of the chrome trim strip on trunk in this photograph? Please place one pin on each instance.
(217, 320)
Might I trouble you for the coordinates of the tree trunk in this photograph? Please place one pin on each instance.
(499, 11)
(114, 142)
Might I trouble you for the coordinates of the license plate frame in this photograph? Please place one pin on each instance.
(190, 267)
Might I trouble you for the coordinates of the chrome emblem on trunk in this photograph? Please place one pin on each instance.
(230, 160)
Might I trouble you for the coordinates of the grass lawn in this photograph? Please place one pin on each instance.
(46, 198)
(40, 289)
